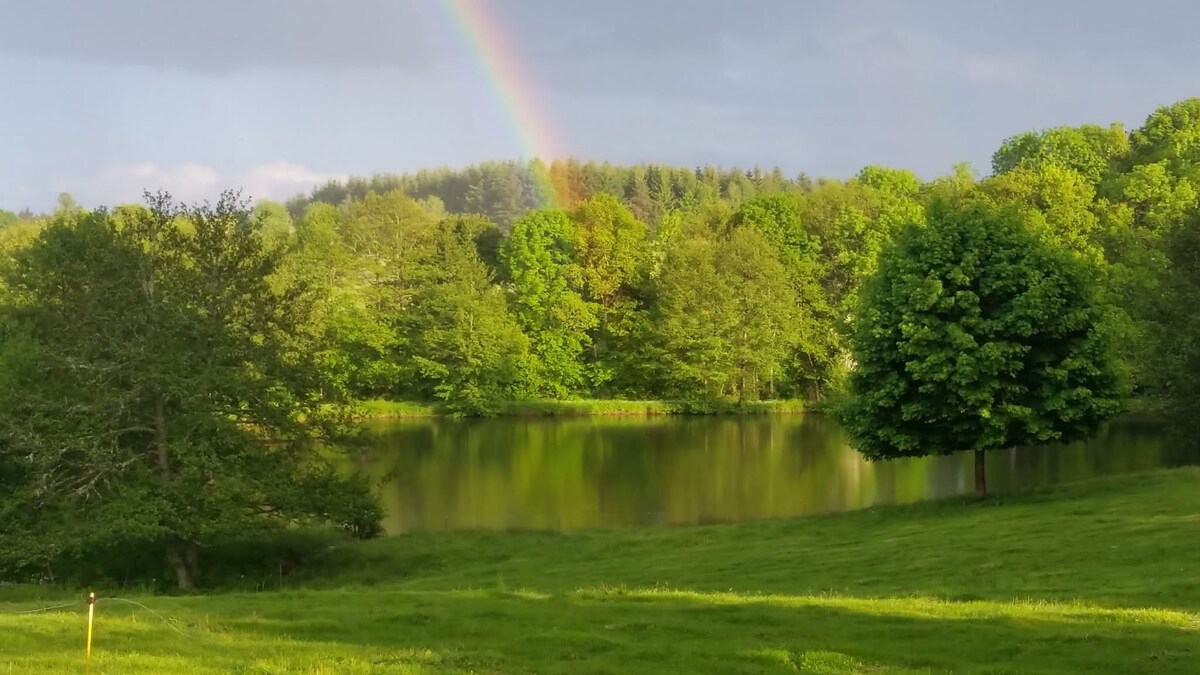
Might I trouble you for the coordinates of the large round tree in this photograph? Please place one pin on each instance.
(976, 334)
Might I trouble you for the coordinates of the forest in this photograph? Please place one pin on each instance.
(251, 331)
(521, 281)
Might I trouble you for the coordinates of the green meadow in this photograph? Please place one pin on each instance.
(1099, 577)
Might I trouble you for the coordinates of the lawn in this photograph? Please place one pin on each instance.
(1096, 578)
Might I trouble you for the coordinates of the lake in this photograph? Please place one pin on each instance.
(589, 472)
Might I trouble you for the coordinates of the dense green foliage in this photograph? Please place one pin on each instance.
(713, 285)
(522, 281)
(1180, 338)
(1092, 578)
(465, 347)
(978, 333)
(155, 390)
(549, 307)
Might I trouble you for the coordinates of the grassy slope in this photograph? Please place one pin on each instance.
(380, 409)
(1099, 578)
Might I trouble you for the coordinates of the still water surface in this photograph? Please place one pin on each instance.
(578, 473)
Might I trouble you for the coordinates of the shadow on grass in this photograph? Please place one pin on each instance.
(634, 632)
(662, 632)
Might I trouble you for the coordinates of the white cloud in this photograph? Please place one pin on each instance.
(192, 182)
(280, 180)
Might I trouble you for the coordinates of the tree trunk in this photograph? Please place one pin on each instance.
(980, 477)
(183, 556)
(176, 556)
(191, 556)
(160, 439)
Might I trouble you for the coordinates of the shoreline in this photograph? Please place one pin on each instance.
(384, 410)
(381, 409)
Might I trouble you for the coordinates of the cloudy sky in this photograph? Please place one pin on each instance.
(103, 98)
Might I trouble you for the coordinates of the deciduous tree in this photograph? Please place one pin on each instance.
(465, 348)
(538, 261)
(153, 390)
(977, 334)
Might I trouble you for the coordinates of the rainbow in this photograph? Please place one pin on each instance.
(484, 37)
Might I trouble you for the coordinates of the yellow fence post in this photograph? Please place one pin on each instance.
(87, 663)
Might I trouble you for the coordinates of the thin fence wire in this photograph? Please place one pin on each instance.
(155, 613)
(43, 609)
(99, 601)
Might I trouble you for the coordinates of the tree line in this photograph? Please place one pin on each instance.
(705, 284)
(172, 374)
(721, 300)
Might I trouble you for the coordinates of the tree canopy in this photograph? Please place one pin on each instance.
(978, 334)
(582, 260)
(154, 389)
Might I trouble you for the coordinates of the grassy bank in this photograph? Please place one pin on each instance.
(380, 409)
(1102, 577)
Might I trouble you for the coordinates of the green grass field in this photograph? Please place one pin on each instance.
(1096, 578)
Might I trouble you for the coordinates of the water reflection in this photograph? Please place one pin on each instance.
(603, 472)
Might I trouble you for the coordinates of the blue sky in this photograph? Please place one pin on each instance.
(103, 99)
